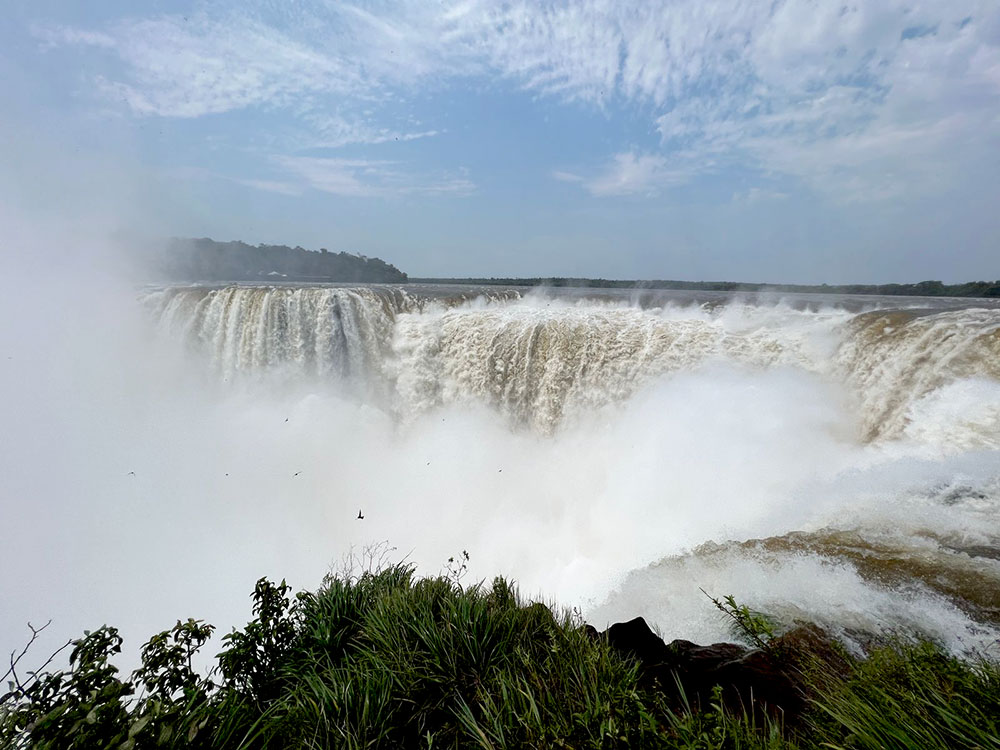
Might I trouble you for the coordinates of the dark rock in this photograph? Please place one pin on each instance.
(762, 681)
(759, 682)
(806, 640)
(590, 631)
(694, 657)
(636, 638)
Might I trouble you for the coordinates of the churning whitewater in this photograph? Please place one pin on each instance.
(820, 463)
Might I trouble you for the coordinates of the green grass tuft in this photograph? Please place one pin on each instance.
(384, 659)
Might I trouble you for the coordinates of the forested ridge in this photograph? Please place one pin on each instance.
(207, 260)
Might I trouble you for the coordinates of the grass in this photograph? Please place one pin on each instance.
(385, 659)
(911, 696)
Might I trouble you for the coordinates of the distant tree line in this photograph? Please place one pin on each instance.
(208, 260)
(920, 289)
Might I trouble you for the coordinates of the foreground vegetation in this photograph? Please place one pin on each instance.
(384, 659)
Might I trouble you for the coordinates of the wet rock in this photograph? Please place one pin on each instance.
(693, 657)
(590, 631)
(635, 638)
(760, 682)
(763, 682)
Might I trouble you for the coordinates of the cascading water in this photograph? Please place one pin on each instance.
(895, 359)
(323, 331)
(819, 463)
(540, 360)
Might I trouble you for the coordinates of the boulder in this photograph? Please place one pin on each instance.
(760, 681)
(635, 638)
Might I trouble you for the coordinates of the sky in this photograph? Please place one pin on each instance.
(789, 141)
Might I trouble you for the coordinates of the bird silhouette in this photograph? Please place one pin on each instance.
(360, 515)
(296, 473)
(131, 473)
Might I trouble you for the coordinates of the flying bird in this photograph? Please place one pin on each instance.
(296, 473)
(131, 473)
(360, 515)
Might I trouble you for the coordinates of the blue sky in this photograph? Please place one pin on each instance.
(790, 141)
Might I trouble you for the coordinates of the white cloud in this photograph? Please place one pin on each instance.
(272, 186)
(848, 98)
(756, 195)
(197, 65)
(192, 66)
(334, 131)
(841, 98)
(188, 173)
(368, 178)
(59, 35)
(630, 173)
(566, 176)
(571, 51)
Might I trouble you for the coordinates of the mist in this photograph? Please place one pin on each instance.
(147, 481)
(141, 490)
(151, 474)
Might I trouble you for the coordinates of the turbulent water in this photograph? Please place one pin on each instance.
(835, 465)
(541, 360)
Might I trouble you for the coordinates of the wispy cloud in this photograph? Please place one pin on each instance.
(55, 36)
(631, 173)
(566, 176)
(189, 173)
(756, 195)
(368, 178)
(839, 96)
(272, 186)
(334, 131)
(190, 66)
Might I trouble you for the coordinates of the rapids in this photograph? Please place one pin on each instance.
(830, 459)
(542, 359)
(824, 464)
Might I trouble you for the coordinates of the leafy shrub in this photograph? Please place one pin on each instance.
(383, 659)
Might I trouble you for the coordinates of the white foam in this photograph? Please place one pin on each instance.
(959, 416)
(791, 587)
(661, 429)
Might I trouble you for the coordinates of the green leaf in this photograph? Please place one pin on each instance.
(139, 725)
